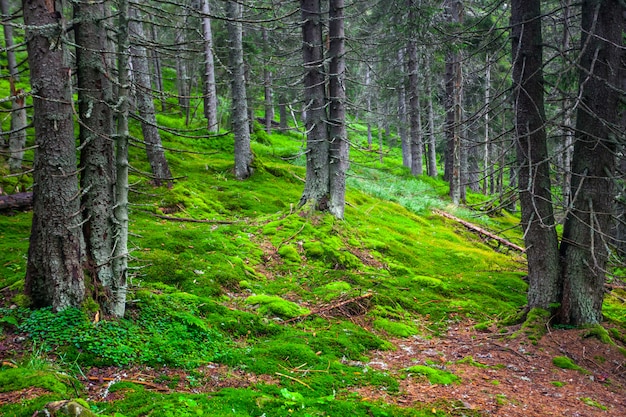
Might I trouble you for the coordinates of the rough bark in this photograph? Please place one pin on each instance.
(54, 271)
(19, 122)
(182, 70)
(584, 248)
(267, 84)
(432, 140)
(8, 40)
(487, 141)
(145, 103)
(339, 145)
(239, 116)
(415, 124)
(120, 253)
(157, 75)
(210, 90)
(96, 156)
(532, 155)
(402, 125)
(316, 188)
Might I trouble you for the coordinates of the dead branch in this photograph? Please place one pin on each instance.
(480, 231)
(333, 306)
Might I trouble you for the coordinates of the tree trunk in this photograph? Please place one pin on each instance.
(19, 122)
(488, 171)
(8, 40)
(339, 145)
(54, 271)
(182, 71)
(157, 68)
(210, 90)
(96, 156)
(432, 142)
(241, 124)
(120, 211)
(267, 84)
(282, 113)
(316, 187)
(584, 248)
(532, 155)
(402, 123)
(417, 166)
(145, 103)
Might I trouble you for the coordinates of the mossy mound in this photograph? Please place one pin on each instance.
(271, 305)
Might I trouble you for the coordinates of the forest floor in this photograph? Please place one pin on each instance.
(499, 375)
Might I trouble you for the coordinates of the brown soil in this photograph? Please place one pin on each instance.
(519, 379)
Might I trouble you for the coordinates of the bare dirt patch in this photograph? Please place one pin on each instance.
(518, 379)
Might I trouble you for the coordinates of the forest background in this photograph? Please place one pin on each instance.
(122, 117)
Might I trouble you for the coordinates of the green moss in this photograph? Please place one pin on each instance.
(557, 384)
(14, 379)
(564, 362)
(535, 325)
(599, 333)
(434, 376)
(470, 361)
(592, 403)
(394, 328)
(289, 254)
(333, 290)
(276, 306)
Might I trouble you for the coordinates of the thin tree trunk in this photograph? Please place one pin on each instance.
(210, 88)
(532, 155)
(316, 187)
(241, 125)
(182, 71)
(339, 145)
(267, 84)
(368, 101)
(282, 113)
(432, 142)
(120, 211)
(402, 122)
(158, 72)
(145, 103)
(584, 248)
(8, 40)
(487, 144)
(96, 156)
(54, 271)
(417, 167)
(19, 122)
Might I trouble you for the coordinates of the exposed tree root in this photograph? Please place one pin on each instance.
(347, 308)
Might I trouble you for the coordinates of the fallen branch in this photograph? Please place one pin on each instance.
(330, 307)
(134, 381)
(481, 231)
(18, 201)
(190, 220)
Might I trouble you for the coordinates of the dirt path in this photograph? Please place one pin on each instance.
(519, 379)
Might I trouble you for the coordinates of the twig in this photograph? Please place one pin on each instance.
(294, 379)
(329, 307)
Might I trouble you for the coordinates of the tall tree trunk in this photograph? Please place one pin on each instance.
(402, 122)
(182, 70)
(241, 124)
(568, 128)
(339, 145)
(454, 95)
(96, 156)
(210, 88)
(432, 141)
(19, 122)
(368, 101)
(8, 40)
(532, 155)
(120, 211)
(267, 84)
(157, 68)
(54, 272)
(145, 103)
(282, 112)
(487, 166)
(584, 248)
(417, 166)
(316, 187)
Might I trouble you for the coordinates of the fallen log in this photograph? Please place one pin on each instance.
(480, 231)
(18, 201)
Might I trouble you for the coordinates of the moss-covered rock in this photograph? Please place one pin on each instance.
(69, 408)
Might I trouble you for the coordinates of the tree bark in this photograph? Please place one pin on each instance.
(145, 103)
(240, 120)
(402, 123)
(96, 157)
(339, 145)
(584, 248)
(316, 187)
(267, 84)
(415, 124)
(19, 122)
(532, 155)
(432, 141)
(120, 252)
(54, 271)
(8, 40)
(210, 90)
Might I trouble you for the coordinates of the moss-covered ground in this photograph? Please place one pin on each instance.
(232, 274)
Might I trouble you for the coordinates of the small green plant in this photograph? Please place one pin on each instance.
(592, 403)
(471, 361)
(434, 376)
(558, 384)
(564, 362)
